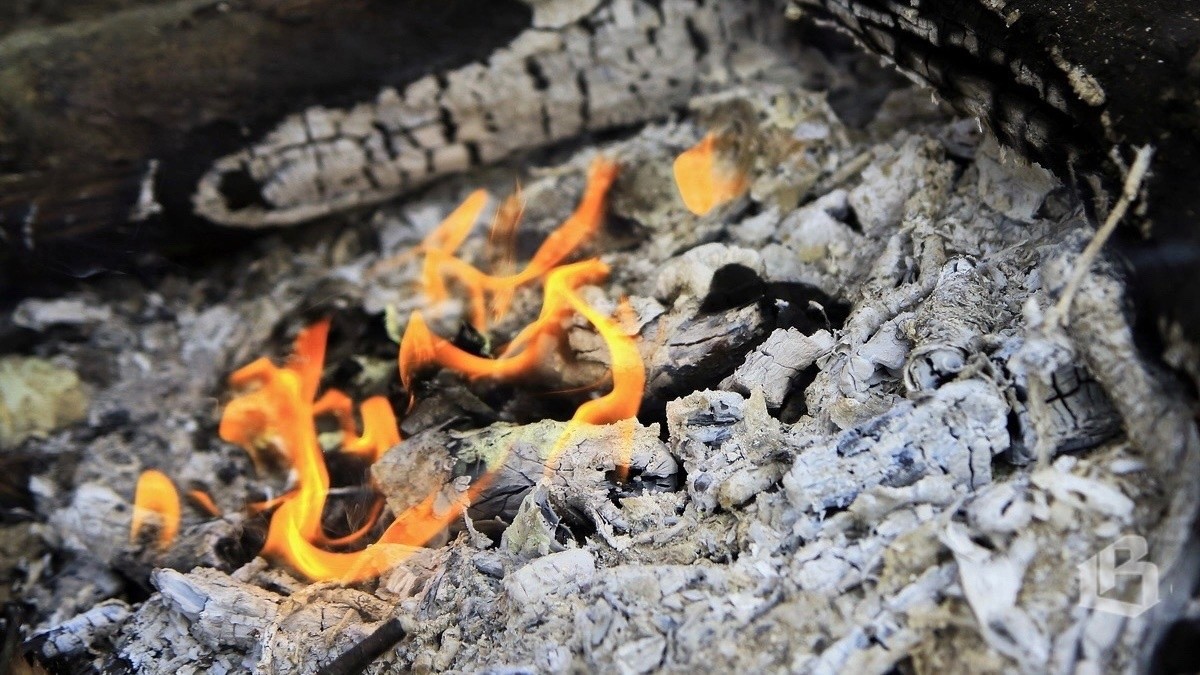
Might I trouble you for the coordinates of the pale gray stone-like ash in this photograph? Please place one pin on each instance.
(899, 520)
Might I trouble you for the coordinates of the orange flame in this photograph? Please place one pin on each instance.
(503, 236)
(380, 431)
(576, 230)
(273, 417)
(204, 501)
(705, 179)
(155, 496)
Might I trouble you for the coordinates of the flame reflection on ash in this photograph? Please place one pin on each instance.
(706, 177)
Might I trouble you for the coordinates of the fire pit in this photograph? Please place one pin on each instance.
(778, 383)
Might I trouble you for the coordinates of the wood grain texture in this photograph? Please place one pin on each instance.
(100, 116)
(269, 112)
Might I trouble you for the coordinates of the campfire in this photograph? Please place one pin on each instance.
(775, 367)
(274, 413)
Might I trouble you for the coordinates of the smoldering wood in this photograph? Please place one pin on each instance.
(588, 70)
(89, 631)
(519, 457)
(775, 364)
(227, 617)
(251, 127)
(886, 527)
(358, 657)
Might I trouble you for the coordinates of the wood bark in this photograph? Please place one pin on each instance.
(267, 112)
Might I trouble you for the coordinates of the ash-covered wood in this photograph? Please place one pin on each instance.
(882, 456)
(1077, 89)
(518, 458)
(280, 113)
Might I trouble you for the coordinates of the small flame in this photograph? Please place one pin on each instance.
(270, 417)
(577, 229)
(380, 431)
(278, 407)
(155, 497)
(204, 501)
(273, 417)
(503, 236)
(706, 179)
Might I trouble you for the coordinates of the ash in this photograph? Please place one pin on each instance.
(863, 448)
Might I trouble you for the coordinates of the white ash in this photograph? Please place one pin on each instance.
(84, 637)
(731, 448)
(954, 432)
(898, 523)
(37, 314)
(776, 363)
(691, 274)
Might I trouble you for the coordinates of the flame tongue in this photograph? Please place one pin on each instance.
(273, 417)
(577, 229)
(155, 495)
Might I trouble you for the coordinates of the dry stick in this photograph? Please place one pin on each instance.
(1056, 316)
(1133, 182)
(357, 658)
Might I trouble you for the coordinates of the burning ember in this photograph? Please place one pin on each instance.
(274, 413)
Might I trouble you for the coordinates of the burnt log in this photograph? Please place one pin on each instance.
(258, 113)
(88, 109)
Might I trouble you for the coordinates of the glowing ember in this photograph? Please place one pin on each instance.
(273, 417)
(706, 178)
(155, 498)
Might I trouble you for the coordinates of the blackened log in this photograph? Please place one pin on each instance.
(86, 107)
(279, 112)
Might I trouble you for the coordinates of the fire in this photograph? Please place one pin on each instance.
(706, 178)
(481, 287)
(204, 501)
(380, 431)
(273, 416)
(155, 497)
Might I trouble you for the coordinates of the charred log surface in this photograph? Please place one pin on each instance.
(26, 14)
(1075, 87)
(277, 113)
(86, 107)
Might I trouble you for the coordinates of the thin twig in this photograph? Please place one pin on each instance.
(1133, 182)
(357, 658)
